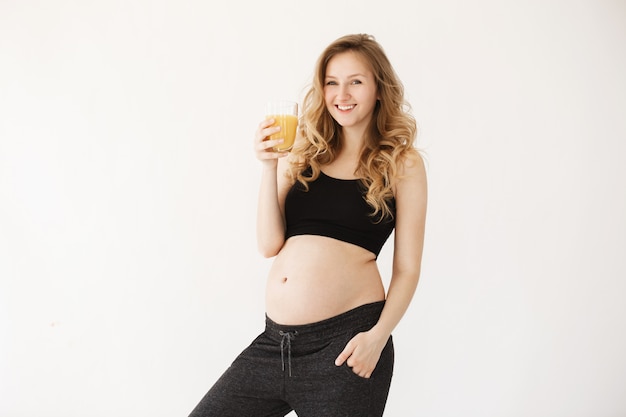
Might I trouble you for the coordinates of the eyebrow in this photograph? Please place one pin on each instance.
(349, 76)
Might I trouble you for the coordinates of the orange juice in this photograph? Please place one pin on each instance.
(288, 125)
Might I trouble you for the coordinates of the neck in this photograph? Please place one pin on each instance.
(347, 161)
(353, 142)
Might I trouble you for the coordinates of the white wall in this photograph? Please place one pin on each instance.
(129, 277)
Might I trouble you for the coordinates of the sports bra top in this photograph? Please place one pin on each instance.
(336, 208)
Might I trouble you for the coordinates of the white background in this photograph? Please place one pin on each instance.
(129, 277)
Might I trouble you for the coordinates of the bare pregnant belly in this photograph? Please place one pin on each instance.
(314, 278)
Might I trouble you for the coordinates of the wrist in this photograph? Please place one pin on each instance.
(380, 332)
(269, 166)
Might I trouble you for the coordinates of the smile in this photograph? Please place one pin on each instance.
(345, 108)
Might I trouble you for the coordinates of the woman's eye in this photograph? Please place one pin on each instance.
(356, 82)
(331, 83)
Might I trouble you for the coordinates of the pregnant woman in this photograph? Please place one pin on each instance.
(325, 211)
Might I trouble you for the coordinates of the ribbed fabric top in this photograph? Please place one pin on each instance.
(336, 208)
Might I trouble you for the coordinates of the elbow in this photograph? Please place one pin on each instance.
(269, 250)
(266, 253)
(409, 275)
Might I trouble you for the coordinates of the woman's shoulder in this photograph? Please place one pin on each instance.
(410, 173)
(411, 162)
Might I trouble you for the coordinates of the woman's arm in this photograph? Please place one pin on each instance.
(363, 351)
(272, 192)
(411, 201)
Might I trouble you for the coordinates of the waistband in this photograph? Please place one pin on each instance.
(359, 317)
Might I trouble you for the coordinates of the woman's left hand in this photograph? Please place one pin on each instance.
(362, 353)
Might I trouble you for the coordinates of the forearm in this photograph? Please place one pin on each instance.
(401, 291)
(270, 220)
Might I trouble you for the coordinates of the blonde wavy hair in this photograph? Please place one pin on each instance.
(389, 139)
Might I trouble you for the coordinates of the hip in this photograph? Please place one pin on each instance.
(310, 350)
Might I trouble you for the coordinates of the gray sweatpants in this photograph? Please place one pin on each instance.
(293, 368)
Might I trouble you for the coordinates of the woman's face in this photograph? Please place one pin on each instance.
(350, 91)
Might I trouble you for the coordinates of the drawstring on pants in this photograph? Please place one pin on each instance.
(289, 336)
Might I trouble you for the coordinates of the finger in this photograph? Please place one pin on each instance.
(352, 363)
(269, 131)
(268, 144)
(344, 355)
(263, 136)
(273, 155)
(267, 150)
(361, 371)
(266, 122)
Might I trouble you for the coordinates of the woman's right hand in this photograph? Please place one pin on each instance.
(263, 146)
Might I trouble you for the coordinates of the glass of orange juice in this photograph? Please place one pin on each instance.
(285, 115)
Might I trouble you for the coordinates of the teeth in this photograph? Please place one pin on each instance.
(345, 107)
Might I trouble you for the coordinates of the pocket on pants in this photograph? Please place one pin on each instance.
(345, 370)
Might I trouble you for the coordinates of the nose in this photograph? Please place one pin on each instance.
(344, 92)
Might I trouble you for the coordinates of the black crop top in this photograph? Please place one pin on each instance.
(336, 208)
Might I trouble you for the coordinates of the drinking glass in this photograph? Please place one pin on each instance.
(285, 115)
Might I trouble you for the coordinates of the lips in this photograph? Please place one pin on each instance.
(345, 108)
